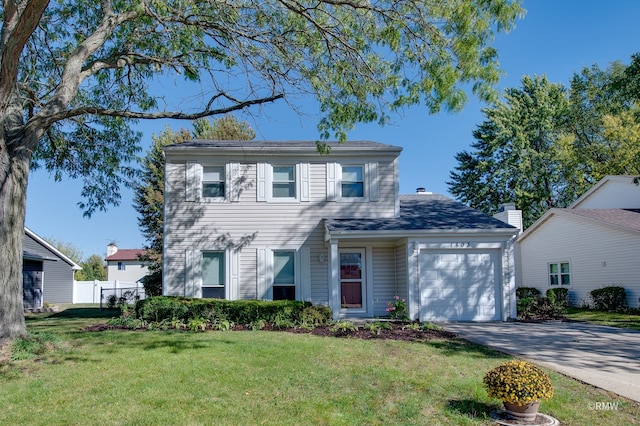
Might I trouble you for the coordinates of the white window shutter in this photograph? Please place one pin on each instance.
(234, 275)
(374, 182)
(332, 181)
(263, 284)
(304, 182)
(261, 189)
(193, 273)
(193, 181)
(232, 186)
(305, 274)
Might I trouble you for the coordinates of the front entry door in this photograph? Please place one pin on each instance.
(353, 287)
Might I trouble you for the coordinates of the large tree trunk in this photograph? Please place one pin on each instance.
(14, 171)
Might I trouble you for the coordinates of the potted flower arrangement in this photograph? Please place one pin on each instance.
(521, 386)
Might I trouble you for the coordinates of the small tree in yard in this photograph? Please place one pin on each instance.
(75, 76)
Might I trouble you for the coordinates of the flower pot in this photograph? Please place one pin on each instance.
(526, 413)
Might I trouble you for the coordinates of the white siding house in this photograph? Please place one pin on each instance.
(278, 220)
(592, 244)
(125, 264)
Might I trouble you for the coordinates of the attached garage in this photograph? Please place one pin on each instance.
(459, 285)
(450, 262)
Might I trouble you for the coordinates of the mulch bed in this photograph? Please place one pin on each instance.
(397, 331)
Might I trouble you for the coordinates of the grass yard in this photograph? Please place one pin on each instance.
(615, 319)
(261, 377)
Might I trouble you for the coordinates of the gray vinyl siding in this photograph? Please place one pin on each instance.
(57, 274)
(384, 280)
(401, 272)
(598, 255)
(248, 224)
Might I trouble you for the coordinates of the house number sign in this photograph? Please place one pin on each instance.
(460, 244)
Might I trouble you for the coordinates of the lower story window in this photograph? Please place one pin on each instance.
(559, 273)
(284, 285)
(213, 274)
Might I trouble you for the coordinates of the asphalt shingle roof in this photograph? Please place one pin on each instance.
(625, 218)
(424, 212)
(126, 254)
(268, 145)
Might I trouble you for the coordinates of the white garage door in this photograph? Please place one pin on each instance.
(459, 286)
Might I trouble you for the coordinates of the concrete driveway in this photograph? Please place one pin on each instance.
(606, 357)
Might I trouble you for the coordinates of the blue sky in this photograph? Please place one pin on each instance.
(555, 38)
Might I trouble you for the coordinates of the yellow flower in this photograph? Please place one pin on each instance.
(518, 382)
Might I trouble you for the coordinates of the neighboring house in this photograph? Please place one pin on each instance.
(593, 243)
(47, 274)
(125, 264)
(277, 220)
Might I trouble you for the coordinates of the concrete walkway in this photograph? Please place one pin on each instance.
(606, 357)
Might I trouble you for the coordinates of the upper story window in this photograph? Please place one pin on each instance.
(352, 184)
(121, 266)
(213, 179)
(284, 182)
(559, 273)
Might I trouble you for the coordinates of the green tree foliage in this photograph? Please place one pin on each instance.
(149, 187)
(542, 146)
(93, 268)
(514, 157)
(75, 75)
(68, 249)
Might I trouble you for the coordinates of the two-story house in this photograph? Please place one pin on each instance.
(125, 264)
(278, 220)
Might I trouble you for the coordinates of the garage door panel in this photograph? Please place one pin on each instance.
(458, 286)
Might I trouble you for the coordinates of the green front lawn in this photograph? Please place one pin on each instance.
(615, 319)
(261, 377)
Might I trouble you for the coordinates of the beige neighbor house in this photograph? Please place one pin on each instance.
(593, 243)
(277, 220)
(125, 264)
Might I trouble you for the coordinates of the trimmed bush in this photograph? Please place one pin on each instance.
(559, 296)
(316, 315)
(609, 298)
(161, 308)
(524, 292)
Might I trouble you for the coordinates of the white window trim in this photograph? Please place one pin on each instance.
(296, 272)
(302, 271)
(371, 190)
(193, 272)
(559, 285)
(194, 182)
(264, 191)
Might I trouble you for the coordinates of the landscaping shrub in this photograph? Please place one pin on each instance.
(559, 296)
(524, 292)
(316, 315)
(608, 298)
(219, 311)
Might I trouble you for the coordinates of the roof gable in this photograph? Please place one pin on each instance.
(622, 219)
(48, 247)
(611, 192)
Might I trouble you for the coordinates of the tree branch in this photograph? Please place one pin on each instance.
(20, 20)
(168, 114)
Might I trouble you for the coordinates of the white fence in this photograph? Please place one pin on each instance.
(89, 291)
